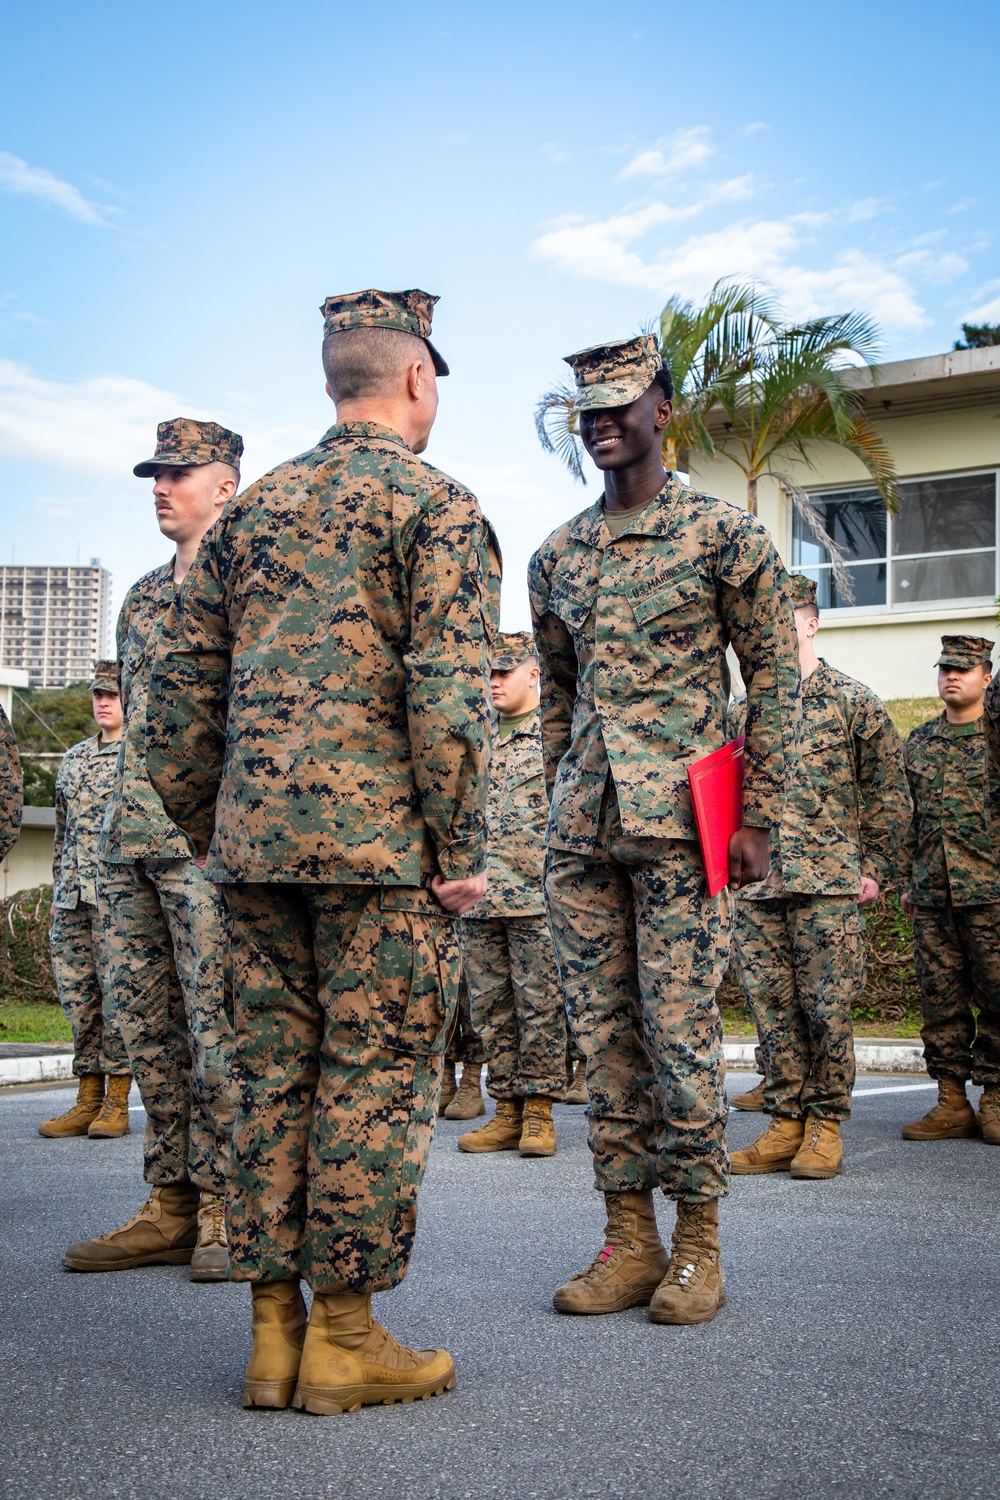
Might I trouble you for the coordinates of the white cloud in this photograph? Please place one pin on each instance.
(99, 428)
(16, 176)
(986, 312)
(867, 208)
(755, 126)
(768, 250)
(676, 153)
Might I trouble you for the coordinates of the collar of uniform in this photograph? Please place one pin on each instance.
(363, 430)
(957, 731)
(654, 519)
(526, 726)
(102, 748)
(818, 680)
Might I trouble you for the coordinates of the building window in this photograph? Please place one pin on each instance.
(940, 549)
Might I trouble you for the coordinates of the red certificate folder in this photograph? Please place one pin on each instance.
(716, 784)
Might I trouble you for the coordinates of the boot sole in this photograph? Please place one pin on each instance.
(108, 1135)
(816, 1174)
(165, 1258)
(488, 1150)
(464, 1114)
(209, 1274)
(761, 1169)
(537, 1150)
(620, 1304)
(956, 1133)
(748, 1109)
(63, 1135)
(680, 1322)
(270, 1395)
(324, 1402)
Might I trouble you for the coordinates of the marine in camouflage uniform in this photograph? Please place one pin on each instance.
(633, 610)
(799, 942)
(510, 965)
(79, 953)
(952, 858)
(10, 787)
(337, 624)
(165, 932)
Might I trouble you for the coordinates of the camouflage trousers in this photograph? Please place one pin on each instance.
(464, 1042)
(344, 998)
(163, 922)
(801, 962)
(957, 952)
(82, 974)
(642, 950)
(517, 1004)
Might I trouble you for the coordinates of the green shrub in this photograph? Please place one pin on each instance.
(25, 965)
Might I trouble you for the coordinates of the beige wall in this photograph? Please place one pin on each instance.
(30, 861)
(891, 651)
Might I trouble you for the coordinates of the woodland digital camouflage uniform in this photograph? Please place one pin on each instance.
(953, 861)
(510, 964)
(338, 622)
(465, 1045)
(164, 926)
(10, 787)
(80, 964)
(632, 634)
(799, 942)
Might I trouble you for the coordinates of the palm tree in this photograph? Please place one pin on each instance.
(751, 389)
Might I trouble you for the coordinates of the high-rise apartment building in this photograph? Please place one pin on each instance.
(54, 621)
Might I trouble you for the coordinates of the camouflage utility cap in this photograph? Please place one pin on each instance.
(106, 677)
(803, 591)
(513, 647)
(615, 374)
(184, 443)
(407, 312)
(965, 651)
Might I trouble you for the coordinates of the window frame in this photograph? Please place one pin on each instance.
(924, 606)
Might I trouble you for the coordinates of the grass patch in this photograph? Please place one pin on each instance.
(907, 713)
(34, 1023)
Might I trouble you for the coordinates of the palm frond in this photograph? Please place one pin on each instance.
(558, 428)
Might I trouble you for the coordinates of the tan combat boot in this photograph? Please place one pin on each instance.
(448, 1086)
(279, 1327)
(210, 1257)
(349, 1361)
(773, 1151)
(112, 1121)
(821, 1153)
(630, 1267)
(162, 1233)
(538, 1133)
(693, 1289)
(989, 1114)
(752, 1101)
(576, 1093)
(951, 1119)
(468, 1102)
(77, 1121)
(502, 1133)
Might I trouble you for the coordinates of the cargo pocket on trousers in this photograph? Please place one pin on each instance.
(416, 979)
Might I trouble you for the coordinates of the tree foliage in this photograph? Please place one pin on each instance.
(979, 336)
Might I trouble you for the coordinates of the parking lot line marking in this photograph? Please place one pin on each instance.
(905, 1088)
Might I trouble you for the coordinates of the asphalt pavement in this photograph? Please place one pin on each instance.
(857, 1357)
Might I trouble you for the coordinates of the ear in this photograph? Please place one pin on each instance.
(329, 392)
(416, 379)
(664, 411)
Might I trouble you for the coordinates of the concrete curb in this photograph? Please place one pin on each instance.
(870, 1057)
(51, 1067)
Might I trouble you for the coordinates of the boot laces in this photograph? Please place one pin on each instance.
(989, 1104)
(213, 1221)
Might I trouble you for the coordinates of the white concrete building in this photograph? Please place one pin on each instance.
(933, 569)
(54, 621)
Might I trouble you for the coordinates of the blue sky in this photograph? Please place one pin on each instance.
(181, 186)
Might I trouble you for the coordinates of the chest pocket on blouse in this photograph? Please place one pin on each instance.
(674, 605)
(571, 605)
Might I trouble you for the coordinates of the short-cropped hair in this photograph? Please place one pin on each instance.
(361, 362)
